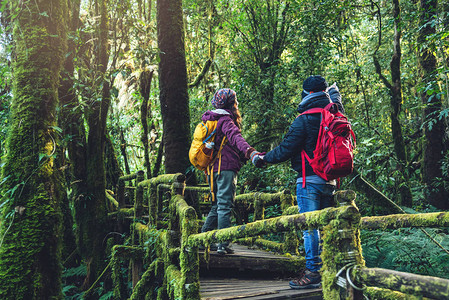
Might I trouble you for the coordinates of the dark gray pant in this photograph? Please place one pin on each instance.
(219, 216)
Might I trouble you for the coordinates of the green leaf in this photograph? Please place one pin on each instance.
(4, 179)
(56, 128)
(3, 203)
(41, 156)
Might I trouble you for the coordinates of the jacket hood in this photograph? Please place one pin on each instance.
(318, 99)
(213, 115)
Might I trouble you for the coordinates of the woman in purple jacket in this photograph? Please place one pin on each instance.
(234, 153)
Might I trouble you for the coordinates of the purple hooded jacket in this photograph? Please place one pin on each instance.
(233, 153)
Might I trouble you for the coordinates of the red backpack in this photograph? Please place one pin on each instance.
(333, 156)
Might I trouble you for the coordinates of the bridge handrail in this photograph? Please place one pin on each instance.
(139, 176)
(436, 219)
(154, 205)
(183, 219)
(313, 219)
(408, 283)
(341, 241)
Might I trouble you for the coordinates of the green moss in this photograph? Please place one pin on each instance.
(341, 245)
(283, 223)
(146, 284)
(119, 285)
(30, 262)
(439, 219)
(174, 282)
(376, 293)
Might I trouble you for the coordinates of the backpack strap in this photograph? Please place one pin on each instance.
(219, 154)
(304, 156)
(315, 110)
(210, 168)
(331, 107)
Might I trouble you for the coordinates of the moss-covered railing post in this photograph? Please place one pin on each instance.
(291, 240)
(121, 184)
(153, 200)
(182, 282)
(121, 188)
(188, 258)
(341, 251)
(137, 263)
(138, 199)
(120, 252)
(150, 285)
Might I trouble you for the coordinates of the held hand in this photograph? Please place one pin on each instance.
(258, 161)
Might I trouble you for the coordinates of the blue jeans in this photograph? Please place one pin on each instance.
(313, 197)
(219, 216)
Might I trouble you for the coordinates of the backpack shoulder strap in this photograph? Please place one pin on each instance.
(315, 110)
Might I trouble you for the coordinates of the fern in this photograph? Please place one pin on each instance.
(107, 296)
(80, 271)
(407, 250)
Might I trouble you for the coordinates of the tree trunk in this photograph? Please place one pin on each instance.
(145, 89)
(94, 210)
(113, 171)
(395, 89)
(123, 152)
(71, 122)
(396, 102)
(173, 86)
(30, 261)
(434, 126)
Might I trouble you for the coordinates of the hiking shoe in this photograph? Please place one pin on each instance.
(309, 280)
(222, 250)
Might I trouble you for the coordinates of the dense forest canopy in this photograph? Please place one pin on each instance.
(91, 90)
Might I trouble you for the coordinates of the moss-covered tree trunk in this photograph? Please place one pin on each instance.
(71, 121)
(434, 130)
(92, 214)
(30, 261)
(145, 109)
(113, 170)
(173, 86)
(396, 103)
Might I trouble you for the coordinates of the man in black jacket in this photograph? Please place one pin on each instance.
(317, 193)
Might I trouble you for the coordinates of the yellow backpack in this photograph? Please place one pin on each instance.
(202, 152)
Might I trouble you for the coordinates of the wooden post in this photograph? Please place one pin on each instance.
(291, 239)
(138, 199)
(137, 264)
(341, 250)
(259, 208)
(121, 198)
(188, 258)
(121, 193)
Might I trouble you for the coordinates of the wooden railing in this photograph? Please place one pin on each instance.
(173, 265)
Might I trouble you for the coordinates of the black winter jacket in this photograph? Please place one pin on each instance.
(303, 132)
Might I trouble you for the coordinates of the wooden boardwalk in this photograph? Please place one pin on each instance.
(255, 289)
(249, 274)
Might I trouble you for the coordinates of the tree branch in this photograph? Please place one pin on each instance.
(201, 75)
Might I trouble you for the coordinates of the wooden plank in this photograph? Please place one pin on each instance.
(231, 288)
(260, 263)
(245, 259)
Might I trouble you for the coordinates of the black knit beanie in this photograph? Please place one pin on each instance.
(314, 83)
